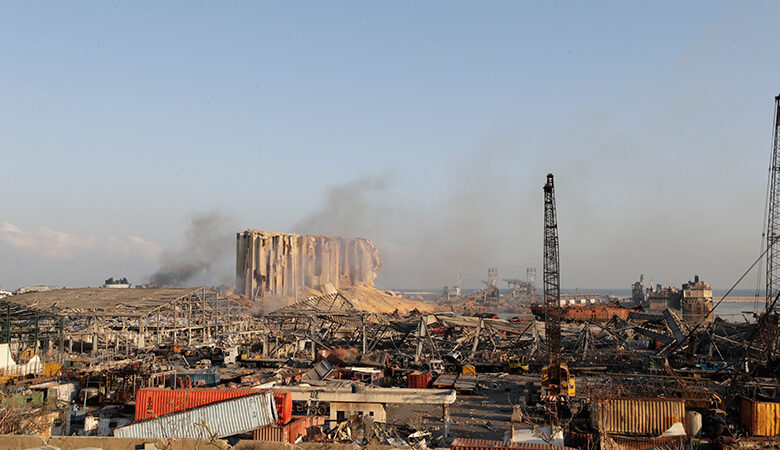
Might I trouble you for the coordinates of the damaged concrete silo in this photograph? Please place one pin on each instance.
(287, 265)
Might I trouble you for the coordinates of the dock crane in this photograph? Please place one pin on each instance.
(557, 382)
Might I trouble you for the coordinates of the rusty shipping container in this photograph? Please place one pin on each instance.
(420, 380)
(284, 405)
(274, 433)
(484, 444)
(226, 418)
(282, 433)
(298, 427)
(150, 403)
(760, 418)
(639, 416)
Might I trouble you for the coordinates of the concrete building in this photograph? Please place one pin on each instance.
(660, 298)
(371, 401)
(697, 302)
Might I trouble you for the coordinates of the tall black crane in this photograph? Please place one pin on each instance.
(552, 290)
(773, 224)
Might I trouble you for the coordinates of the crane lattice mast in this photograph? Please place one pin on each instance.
(773, 223)
(552, 284)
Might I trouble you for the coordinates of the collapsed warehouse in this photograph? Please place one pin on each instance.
(121, 322)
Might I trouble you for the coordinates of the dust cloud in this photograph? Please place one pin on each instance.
(269, 303)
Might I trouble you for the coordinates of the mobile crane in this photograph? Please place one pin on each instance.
(557, 382)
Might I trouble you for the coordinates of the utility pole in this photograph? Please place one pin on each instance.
(773, 223)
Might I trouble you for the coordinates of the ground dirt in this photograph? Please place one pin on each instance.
(486, 414)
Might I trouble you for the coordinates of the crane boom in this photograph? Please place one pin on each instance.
(773, 223)
(552, 286)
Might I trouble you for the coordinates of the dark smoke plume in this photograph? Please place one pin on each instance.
(209, 243)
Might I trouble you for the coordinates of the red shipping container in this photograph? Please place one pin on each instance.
(420, 380)
(283, 405)
(151, 403)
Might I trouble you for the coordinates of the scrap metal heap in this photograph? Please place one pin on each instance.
(337, 361)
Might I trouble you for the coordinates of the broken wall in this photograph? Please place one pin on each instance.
(284, 264)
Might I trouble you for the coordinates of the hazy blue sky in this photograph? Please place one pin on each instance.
(426, 126)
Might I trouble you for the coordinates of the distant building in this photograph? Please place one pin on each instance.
(660, 298)
(638, 294)
(121, 283)
(697, 302)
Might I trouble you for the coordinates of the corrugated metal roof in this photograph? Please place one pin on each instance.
(485, 444)
(221, 419)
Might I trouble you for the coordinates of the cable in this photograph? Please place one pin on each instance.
(693, 329)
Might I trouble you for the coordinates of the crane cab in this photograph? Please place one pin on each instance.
(563, 387)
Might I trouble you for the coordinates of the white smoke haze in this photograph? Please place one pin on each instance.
(58, 245)
(206, 257)
(610, 233)
(426, 243)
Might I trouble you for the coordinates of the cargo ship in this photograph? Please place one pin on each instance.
(599, 312)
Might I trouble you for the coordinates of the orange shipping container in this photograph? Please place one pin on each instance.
(283, 405)
(760, 418)
(150, 403)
